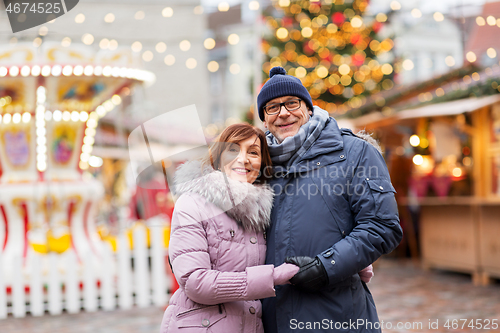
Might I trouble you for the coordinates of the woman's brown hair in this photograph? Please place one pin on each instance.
(235, 134)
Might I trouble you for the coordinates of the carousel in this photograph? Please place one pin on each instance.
(51, 100)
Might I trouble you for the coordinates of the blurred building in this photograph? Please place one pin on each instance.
(234, 60)
(483, 43)
(427, 44)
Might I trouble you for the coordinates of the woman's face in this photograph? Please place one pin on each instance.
(241, 161)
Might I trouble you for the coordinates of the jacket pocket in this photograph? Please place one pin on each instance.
(384, 200)
(201, 317)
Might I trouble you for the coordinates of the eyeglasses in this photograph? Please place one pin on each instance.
(290, 105)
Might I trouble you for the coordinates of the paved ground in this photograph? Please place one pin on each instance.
(402, 291)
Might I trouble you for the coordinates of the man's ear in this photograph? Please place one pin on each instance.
(310, 112)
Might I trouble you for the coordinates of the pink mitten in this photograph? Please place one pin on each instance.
(283, 273)
(366, 274)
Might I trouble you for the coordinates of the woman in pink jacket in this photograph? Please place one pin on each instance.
(217, 245)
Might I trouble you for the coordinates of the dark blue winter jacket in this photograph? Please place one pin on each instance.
(336, 202)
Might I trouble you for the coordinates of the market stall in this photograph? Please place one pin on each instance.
(444, 160)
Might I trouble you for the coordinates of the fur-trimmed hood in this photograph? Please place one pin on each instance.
(249, 205)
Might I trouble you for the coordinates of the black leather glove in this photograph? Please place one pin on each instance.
(312, 274)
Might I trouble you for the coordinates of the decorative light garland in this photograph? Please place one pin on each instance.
(79, 70)
(41, 138)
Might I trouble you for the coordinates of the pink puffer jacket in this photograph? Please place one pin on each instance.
(217, 251)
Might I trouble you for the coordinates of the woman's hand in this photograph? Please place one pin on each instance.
(366, 274)
(282, 274)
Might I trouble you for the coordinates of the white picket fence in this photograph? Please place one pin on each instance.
(121, 285)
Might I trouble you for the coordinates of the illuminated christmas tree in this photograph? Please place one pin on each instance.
(332, 47)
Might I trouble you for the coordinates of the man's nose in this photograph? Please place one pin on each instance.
(283, 111)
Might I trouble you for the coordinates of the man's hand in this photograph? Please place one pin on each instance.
(311, 276)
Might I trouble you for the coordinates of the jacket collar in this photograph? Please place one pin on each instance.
(249, 205)
(329, 140)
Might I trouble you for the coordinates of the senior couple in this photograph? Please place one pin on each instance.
(277, 232)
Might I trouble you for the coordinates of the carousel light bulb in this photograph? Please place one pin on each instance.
(66, 116)
(35, 70)
(57, 116)
(95, 161)
(457, 172)
(0, 118)
(98, 70)
(25, 71)
(26, 117)
(56, 70)
(115, 72)
(67, 70)
(75, 116)
(3, 71)
(92, 123)
(46, 70)
(116, 99)
(40, 91)
(84, 157)
(41, 140)
(83, 165)
(88, 140)
(7, 118)
(48, 115)
(41, 166)
(106, 71)
(78, 70)
(101, 111)
(40, 131)
(87, 149)
(89, 70)
(14, 70)
(16, 119)
(93, 115)
(41, 149)
(40, 123)
(108, 105)
(90, 131)
(84, 116)
(124, 71)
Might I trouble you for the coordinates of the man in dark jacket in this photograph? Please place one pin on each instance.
(334, 214)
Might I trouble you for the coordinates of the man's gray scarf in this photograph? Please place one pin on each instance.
(285, 154)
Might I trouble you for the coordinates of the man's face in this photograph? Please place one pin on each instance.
(286, 123)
